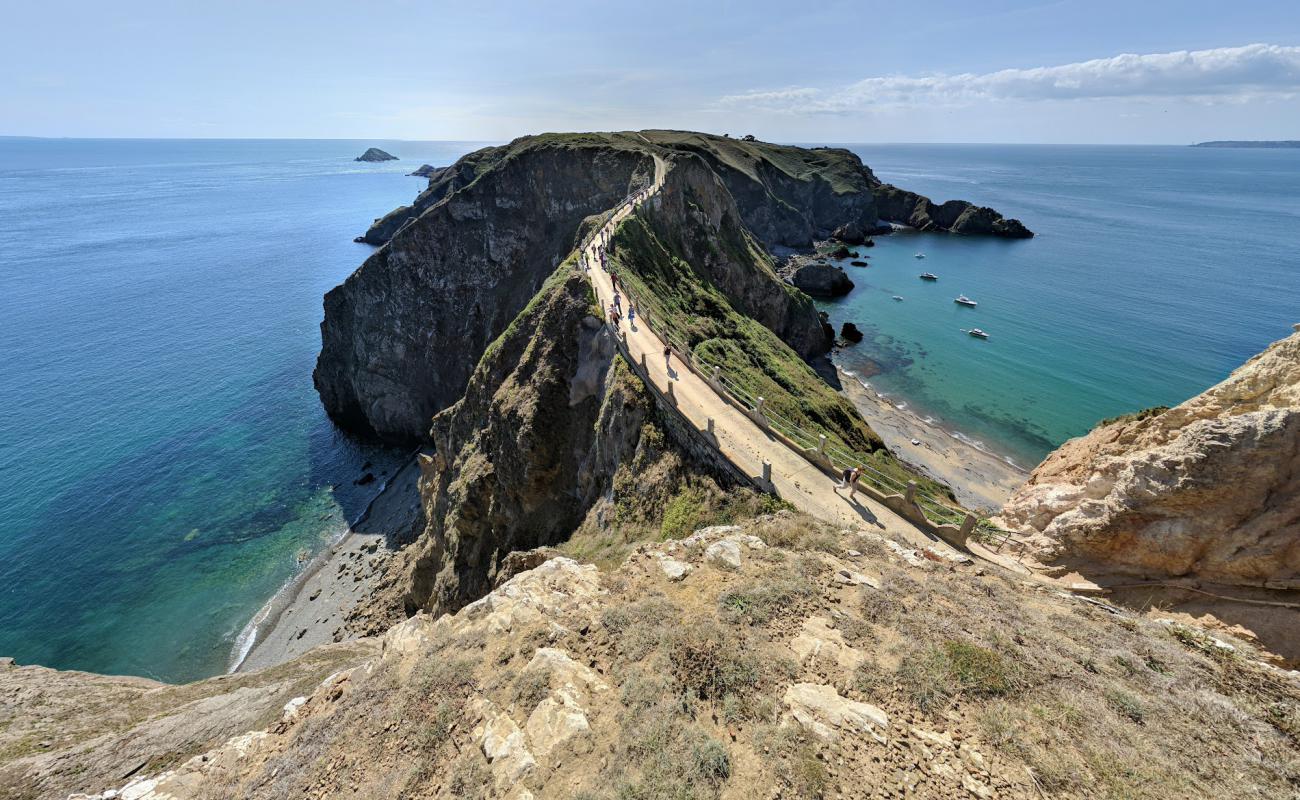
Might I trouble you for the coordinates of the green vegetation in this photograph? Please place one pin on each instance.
(1136, 416)
(684, 304)
(839, 168)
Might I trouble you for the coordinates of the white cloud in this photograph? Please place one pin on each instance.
(1222, 74)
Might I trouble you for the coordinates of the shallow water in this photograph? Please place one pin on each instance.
(164, 459)
(1155, 271)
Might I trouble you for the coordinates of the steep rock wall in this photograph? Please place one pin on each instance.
(402, 333)
(549, 416)
(1210, 488)
(697, 215)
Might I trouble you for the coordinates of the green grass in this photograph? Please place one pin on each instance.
(689, 308)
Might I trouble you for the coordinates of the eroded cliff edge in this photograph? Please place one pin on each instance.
(1208, 489)
(401, 335)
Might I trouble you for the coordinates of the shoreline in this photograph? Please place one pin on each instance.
(312, 607)
(980, 478)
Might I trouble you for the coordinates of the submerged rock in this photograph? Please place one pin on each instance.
(850, 333)
(375, 154)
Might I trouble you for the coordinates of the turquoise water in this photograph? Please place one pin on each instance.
(164, 460)
(1154, 273)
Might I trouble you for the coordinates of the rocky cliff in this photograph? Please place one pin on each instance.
(954, 216)
(1209, 488)
(402, 334)
(552, 426)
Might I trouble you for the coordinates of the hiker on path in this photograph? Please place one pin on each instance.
(849, 480)
(668, 358)
(631, 315)
(618, 301)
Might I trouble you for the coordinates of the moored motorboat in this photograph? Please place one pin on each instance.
(898, 297)
(977, 333)
(919, 255)
(965, 301)
(929, 276)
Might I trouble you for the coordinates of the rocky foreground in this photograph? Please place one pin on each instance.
(778, 658)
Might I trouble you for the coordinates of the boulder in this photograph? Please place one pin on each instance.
(724, 554)
(850, 333)
(841, 252)
(821, 280)
(850, 233)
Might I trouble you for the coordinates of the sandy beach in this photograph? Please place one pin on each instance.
(313, 608)
(981, 480)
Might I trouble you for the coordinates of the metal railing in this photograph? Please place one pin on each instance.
(726, 383)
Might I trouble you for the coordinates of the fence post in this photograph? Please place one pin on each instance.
(968, 524)
(672, 398)
(911, 491)
(644, 367)
(821, 444)
(767, 473)
(758, 407)
(709, 425)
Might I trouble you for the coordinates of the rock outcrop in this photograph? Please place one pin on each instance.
(817, 279)
(755, 674)
(547, 421)
(850, 333)
(954, 216)
(1209, 488)
(426, 171)
(402, 334)
(375, 154)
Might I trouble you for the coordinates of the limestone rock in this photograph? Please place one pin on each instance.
(725, 553)
(818, 640)
(824, 713)
(504, 746)
(674, 569)
(1210, 488)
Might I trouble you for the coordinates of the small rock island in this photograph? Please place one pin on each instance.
(375, 154)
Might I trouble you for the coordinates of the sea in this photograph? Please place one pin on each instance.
(165, 465)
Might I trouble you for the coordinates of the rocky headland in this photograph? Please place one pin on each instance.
(590, 599)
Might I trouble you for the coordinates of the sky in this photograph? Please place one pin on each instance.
(1073, 71)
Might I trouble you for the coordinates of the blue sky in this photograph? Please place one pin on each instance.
(994, 71)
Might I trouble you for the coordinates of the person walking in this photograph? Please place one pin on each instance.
(668, 358)
(853, 484)
(631, 316)
(618, 301)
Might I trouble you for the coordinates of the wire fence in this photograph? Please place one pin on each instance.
(728, 385)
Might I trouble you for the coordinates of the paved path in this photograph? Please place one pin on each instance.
(739, 438)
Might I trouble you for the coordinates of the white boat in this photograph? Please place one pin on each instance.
(977, 333)
(898, 297)
(919, 255)
(929, 276)
(965, 301)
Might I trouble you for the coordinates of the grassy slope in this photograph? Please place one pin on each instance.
(696, 312)
(839, 168)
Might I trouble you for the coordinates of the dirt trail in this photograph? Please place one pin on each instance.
(739, 438)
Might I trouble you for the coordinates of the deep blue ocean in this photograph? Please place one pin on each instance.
(165, 464)
(164, 459)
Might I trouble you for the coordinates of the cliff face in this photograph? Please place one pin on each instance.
(549, 418)
(1210, 488)
(402, 333)
(699, 220)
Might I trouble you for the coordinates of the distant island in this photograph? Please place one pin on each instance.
(1257, 144)
(375, 154)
